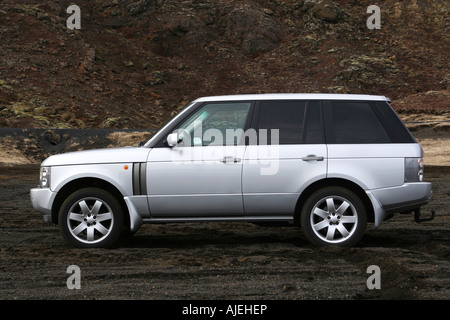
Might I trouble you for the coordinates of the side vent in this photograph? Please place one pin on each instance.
(139, 178)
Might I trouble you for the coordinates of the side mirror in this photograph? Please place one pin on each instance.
(172, 139)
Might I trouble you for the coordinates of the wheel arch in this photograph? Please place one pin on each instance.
(81, 183)
(334, 182)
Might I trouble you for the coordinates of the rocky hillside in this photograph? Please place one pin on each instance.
(133, 64)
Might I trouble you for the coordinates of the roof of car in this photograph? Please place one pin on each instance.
(293, 96)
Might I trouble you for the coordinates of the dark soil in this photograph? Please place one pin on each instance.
(222, 260)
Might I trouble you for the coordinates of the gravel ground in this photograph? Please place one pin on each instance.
(209, 261)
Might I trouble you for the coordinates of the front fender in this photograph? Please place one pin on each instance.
(120, 175)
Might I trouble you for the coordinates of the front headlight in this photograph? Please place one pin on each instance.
(45, 177)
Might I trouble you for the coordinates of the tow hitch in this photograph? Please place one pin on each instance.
(419, 219)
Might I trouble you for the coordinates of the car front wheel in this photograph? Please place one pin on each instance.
(91, 218)
(334, 216)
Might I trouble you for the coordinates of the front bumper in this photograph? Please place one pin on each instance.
(407, 197)
(42, 200)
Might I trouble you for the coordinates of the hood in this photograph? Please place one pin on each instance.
(112, 155)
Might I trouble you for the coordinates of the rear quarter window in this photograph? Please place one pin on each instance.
(396, 128)
(354, 122)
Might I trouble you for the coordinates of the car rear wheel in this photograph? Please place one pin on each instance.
(334, 216)
(91, 218)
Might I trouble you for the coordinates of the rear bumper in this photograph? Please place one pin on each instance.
(407, 197)
(42, 200)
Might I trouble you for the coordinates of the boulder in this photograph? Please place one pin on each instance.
(326, 10)
(256, 31)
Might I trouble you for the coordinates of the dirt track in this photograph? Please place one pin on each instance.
(221, 260)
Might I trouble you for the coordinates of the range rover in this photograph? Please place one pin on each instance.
(326, 163)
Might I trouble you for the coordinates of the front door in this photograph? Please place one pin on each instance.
(201, 175)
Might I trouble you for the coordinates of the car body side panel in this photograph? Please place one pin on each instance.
(371, 166)
(114, 173)
(274, 176)
(368, 173)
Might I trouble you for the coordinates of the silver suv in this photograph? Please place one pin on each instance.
(327, 163)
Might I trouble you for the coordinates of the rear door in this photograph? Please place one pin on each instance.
(285, 155)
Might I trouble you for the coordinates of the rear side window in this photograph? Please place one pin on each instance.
(297, 122)
(354, 122)
(286, 116)
(313, 131)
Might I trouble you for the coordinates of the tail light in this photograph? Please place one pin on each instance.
(413, 169)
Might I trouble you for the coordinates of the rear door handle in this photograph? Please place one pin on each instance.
(312, 157)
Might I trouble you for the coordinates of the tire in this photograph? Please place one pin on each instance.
(91, 218)
(334, 216)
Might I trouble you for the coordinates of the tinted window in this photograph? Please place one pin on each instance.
(313, 132)
(356, 122)
(397, 130)
(286, 116)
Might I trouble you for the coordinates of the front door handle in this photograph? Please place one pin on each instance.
(230, 160)
(312, 157)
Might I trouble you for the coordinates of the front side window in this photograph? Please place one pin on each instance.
(215, 124)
